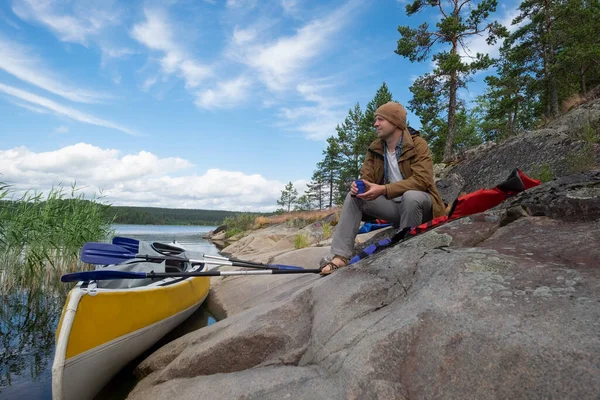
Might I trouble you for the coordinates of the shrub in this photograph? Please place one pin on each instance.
(581, 160)
(259, 222)
(239, 223)
(542, 172)
(589, 135)
(42, 235)
(327, 231)
(301, 241)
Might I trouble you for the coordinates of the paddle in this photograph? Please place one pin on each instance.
(133, 245)
(250, 264)
(103, 274)
(106, 253)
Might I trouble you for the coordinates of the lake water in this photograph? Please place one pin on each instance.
(28, 324)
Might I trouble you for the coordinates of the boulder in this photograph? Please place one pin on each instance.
(560, 146)
(502, 304)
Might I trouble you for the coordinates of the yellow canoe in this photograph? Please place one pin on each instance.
(103, 329)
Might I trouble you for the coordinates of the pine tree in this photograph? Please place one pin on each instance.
(289, 196)
(303, 203)
(350, 152)
(317, 190)
(536, 35)
(578, 30)
(453, 29)
(368, 131)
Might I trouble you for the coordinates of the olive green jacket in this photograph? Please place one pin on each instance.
(415, 165)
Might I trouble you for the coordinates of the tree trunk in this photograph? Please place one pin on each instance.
(515, 115)
(330, 190)
(582, 81)
(448, 148)
(550, 59)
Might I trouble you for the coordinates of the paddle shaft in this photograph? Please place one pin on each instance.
(99, 275)
(220, 261)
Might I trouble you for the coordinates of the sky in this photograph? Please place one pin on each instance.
(201, 104)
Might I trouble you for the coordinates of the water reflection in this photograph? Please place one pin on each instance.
(28, 319)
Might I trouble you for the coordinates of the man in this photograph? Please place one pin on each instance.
(398, 177)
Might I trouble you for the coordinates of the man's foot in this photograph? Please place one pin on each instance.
(336, 262)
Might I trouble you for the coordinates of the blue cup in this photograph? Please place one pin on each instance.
(360, 185)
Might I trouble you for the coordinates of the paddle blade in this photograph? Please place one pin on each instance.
(133, 245)
(289, 267)
(101, 275)
(104, 253)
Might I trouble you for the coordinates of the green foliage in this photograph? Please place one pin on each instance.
(239, 223)
(301, 241)
(327, 231)
(542, 172)
(303, 203)
(318, 189)
(435, 94)
(38, 232)
(556, 47)
(582, 160)
(589, 135)
(289, 195)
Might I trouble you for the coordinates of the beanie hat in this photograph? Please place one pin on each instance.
(393, 112)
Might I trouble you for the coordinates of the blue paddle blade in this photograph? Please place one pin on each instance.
(103, 274)
(133, 245)
(105, 253)
(291, 267)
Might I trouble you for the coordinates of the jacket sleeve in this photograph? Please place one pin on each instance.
(422, 172)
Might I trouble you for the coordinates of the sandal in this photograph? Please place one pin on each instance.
(333, 266)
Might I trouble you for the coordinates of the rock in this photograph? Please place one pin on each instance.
(499, 305)
(502, 304)
(220, 228)
(234, 294)
(571, 198)
(562, 153)
(450, 187)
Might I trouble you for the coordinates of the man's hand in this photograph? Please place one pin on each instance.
(372, 190)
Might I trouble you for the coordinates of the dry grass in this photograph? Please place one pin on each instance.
(311, 216)
(572, 102)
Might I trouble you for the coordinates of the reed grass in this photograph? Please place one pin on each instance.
(41, 236)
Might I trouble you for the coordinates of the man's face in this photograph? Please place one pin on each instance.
(384, 127)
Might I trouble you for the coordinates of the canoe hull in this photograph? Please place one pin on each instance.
(101, 330)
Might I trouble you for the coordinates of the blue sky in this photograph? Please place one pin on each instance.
(188, 103)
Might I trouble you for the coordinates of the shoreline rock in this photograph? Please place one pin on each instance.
(501, 304)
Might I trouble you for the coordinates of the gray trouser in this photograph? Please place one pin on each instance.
(413, 210)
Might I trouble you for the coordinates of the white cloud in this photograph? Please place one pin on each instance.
(16, 60)
(225, 94)
(317, 121)
(62, 129)
(157, 34)
(289, 6)
(243, 36)
(138, 179)
(84, 19)
(30, 107)
(246, 4)
(283, 62)
(148, 83)
(60, 109)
